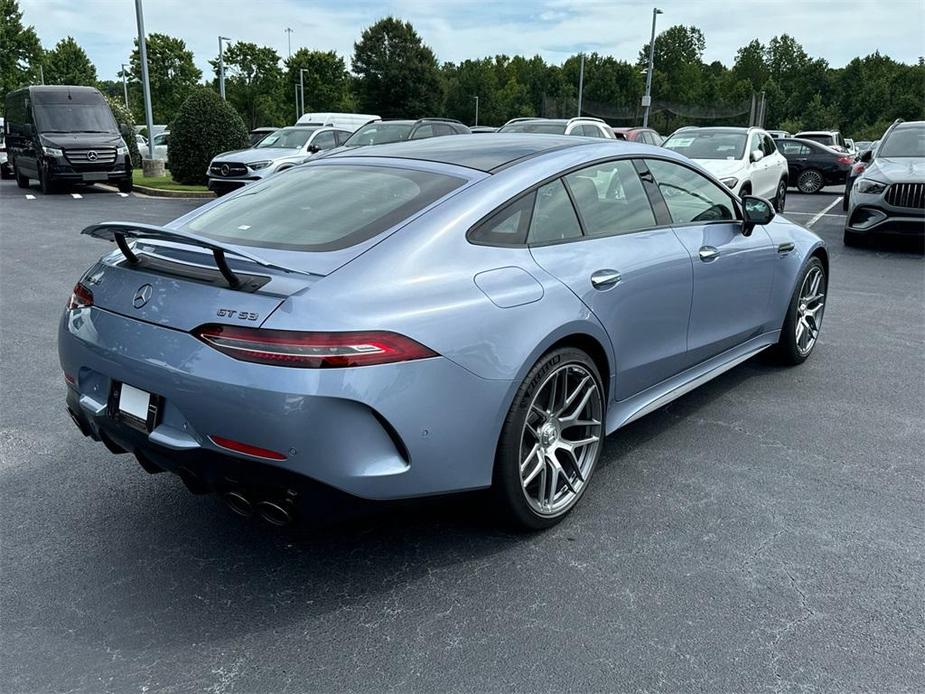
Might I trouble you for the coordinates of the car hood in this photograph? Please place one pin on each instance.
(246, 156)
(67, 140)
(721, 168)
(907, 169)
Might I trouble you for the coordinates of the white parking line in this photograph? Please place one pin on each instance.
(76, 196)
(30, 197)
(123, 195)
(819, 215)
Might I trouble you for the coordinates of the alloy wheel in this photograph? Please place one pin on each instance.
(810, 182)
(781, 196)
(560, 439)
(809, 310)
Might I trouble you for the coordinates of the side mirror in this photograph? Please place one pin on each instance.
(757, 211)
(756, 155)
(313, 149)
(867, 155)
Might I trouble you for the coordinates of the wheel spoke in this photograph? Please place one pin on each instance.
(537, 469)
(526, 461)
(568, 420)
(573, 461)
(801, 328)
(571, 398)
(573, 445)
(553, 483)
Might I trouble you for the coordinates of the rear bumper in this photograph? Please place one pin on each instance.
(378, 432)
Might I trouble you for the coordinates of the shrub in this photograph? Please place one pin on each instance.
(126, 124)
(204, 126)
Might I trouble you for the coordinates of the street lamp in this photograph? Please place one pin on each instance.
(476, 110)
(145, 83)
(289, 40)
(221, 66)
(302, 88)
(647, 99)
(124, 85)
(581, 82)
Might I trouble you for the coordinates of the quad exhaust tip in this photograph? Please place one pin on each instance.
(239, 503)
(274, 513)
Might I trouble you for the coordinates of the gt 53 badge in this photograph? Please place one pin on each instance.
(233, 313)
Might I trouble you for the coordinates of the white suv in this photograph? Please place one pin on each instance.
(830, 138)
(746, 160)
(588, 127)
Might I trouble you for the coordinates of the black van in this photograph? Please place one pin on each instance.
(64, 133)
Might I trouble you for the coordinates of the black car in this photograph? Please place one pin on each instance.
(813, 166)
(64, 134)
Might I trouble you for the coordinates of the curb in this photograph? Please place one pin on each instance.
(159, 193)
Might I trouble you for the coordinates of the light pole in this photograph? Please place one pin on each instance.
(124, 85)
(289, 40)
(302, 88)
(476, 109)
(221, 66)
(145, 83)
(647, 99)
(581, 82)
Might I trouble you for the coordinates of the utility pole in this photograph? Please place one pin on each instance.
(581, 82)
(145, 83)
(289, 41)
(221, 66)
(42, 74)
(647, 99)
(296, 85)
(302, 88)
(124, 85)
(476, 110)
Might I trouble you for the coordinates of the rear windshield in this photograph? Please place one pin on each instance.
(826, 140)
(904, 142)
(707, 145)
(322, 208)
(287, 138)
(535, 127)
(379, 134)
(74, 118)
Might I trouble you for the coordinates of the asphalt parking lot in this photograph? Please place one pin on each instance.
(765, 532)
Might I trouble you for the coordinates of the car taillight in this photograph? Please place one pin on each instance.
(858, 168)
(81, 297)
(312, 350)
(845, 160)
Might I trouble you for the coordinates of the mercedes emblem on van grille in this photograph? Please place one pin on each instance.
(142, 295)
(92, 155)
(225, 169)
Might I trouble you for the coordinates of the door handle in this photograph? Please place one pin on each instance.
(605, 279)
(708, 253)
(785, 248)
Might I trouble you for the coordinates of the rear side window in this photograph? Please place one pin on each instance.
(691, 197)
(795, 148)
(324, 140)
(767, 145)
(610, 199)
(322, 208)
(508, 226)
(553, 215)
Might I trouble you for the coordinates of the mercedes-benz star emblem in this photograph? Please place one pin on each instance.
(92, 156)
(142, 295)
(225, 169)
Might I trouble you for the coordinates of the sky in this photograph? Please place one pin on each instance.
(837, 30)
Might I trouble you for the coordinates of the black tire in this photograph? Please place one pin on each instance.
(780, 200)
(786, 349)
(45, 183)
(507, 487)
(810, 181)
(125, 186)
(21, 181)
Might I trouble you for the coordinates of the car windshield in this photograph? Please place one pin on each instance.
(904, 142)
(74, 118)
(534, 127)
(322, 208)
(287, 138)
(708, 145)
(379, 134)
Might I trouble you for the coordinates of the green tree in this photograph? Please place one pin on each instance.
(326, 80)
(751, 65)
(21, 51)
(397, 75)
(172, 73)
(67, 63)
(204, 127)
(126, 124)
(253, 82)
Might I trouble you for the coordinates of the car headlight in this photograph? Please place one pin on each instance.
(257, 165)
(730, 182)
(122, 149)
(53, 151)
(869, 186)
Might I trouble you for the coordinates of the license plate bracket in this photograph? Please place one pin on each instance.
(96, 176)
(134, 407)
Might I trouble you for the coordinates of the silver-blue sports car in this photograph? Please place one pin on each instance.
(430, 317)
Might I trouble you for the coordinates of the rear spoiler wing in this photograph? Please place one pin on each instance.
(121, 231)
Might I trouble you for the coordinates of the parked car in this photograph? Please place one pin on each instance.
(387, 131)
(746, 160)
(777, 134)
(278, 151)
(6, 171)
(161, 143)
(889, 196)
(646, 135)
(257, 134)
(829, 138)
(482, 129)
(587, 127)
(453, 318)
(857, 169)
(341, 121)
(64, 134)
(863, 145)
(813, 166)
